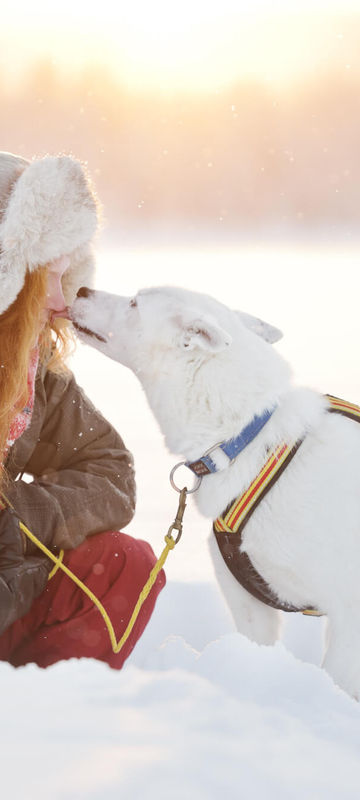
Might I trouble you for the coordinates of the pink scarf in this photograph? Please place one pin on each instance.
(22, 419)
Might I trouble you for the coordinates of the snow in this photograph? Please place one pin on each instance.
(179, 721)
(198, 712)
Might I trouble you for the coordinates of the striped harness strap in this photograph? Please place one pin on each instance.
(229, 526)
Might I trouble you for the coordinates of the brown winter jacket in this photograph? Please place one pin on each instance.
(83, 483)
(83, 477)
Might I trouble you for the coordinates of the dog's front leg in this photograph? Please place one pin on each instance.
(254, 619)
(342, 656)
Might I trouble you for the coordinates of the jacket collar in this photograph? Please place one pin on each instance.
(230, 448)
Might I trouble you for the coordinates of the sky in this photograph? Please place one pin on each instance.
(191, 45)
(212, 115)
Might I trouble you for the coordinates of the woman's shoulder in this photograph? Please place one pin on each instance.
(55, 383)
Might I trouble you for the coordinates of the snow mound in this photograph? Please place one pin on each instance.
(180, 721)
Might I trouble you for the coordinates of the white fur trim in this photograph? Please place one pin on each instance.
(80, 273)
(51, 212)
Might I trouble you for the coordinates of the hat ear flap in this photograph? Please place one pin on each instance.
(11, 283)
(80, 273)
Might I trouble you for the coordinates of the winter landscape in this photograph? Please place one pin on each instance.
(198, 711)
(223, 141)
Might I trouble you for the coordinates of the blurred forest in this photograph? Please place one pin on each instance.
(245, 157)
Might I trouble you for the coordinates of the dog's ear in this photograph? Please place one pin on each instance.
(261, 328)
(204, 333)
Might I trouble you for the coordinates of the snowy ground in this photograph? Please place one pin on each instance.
(198, 711)
(227, 718)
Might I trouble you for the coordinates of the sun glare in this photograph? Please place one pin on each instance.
(195, 45)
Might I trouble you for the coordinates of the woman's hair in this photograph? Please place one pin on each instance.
(19, 333)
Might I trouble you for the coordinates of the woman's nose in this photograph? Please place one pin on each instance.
(55, 300)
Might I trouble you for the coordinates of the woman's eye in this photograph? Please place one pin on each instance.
(133, 303)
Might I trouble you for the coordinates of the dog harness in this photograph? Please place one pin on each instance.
(228, 527)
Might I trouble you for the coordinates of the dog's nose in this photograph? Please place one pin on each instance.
(84, 292)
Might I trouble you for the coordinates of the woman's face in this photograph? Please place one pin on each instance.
(55, 305)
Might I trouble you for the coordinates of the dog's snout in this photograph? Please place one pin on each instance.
(84, 292)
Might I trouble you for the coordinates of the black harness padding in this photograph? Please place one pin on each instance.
(245, 573)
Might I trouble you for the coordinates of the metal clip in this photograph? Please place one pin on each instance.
(177, 524)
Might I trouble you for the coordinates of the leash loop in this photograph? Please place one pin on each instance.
(173, 484)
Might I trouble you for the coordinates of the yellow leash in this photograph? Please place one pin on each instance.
(170, 544)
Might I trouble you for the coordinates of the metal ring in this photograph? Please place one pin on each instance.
(173, 484)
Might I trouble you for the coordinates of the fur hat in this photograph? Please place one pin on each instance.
(47, 209)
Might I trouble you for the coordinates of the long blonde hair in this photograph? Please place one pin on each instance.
(19, 333)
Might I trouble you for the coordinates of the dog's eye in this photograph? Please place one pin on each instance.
(133, 303)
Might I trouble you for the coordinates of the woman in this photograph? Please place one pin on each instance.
(82, 488)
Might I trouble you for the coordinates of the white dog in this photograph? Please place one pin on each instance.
(210, 375)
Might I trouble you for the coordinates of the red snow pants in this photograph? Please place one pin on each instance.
(64, 623)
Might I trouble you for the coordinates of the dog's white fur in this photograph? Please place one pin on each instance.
(206, 371)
